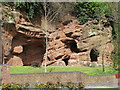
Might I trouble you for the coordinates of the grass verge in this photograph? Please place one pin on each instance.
(87, 70)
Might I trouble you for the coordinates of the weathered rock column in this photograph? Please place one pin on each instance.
(5, 74)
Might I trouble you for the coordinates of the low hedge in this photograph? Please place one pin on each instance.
(48, 85)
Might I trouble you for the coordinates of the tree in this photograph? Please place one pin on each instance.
(0, 34)
(50, 15)
(114, 19)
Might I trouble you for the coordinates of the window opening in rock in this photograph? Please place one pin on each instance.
(94, 55)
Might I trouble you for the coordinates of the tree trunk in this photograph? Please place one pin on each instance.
(0, 34)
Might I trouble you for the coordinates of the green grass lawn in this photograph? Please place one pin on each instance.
(87, 70)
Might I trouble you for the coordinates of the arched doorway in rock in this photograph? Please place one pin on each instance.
(94, 53)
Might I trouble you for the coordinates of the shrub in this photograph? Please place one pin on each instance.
(10, 86)
(39, 85)
(59, 85)
(115, 55)
(31, 8)
(95, 10)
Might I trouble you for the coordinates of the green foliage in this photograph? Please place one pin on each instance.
(86, 10)
(99, 10)
(10, 86)
(115, 32)
(115, 55)
(39, 85)
(31, 8)
(59, 85)
(74, 85)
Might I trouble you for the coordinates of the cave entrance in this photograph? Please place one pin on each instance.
(33, 54)
(73, 46)
(94, 55)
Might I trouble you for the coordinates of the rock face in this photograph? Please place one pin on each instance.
(70, 44)
(23, 42)
(78, 45)
(16, 61)
(18, 49)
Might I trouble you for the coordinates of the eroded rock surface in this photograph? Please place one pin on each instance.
(23, 42)
(70, 44)
(76, 44)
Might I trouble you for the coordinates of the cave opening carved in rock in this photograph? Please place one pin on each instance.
(33, 54)
(94, 55)
(72, 45)
(66, 59)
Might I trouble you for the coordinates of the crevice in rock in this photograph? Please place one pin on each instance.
(69, 34)
(58, 57)
(85, 50)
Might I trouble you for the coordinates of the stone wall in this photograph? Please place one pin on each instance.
(46, 77)
(0, 75)
(76, 77)
(5, 73)
(54, 77)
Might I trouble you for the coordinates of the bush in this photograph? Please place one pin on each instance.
(95, 10)
(59, 85)
(31, 8)
(115, 55)
(10, 86)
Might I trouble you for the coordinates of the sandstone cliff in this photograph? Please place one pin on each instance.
(69, 43)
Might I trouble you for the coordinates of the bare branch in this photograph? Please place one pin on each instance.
(55, 14)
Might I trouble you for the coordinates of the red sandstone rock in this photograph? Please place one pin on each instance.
(18, 49)
(5, 74)
(15, 61)
(62, 42)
